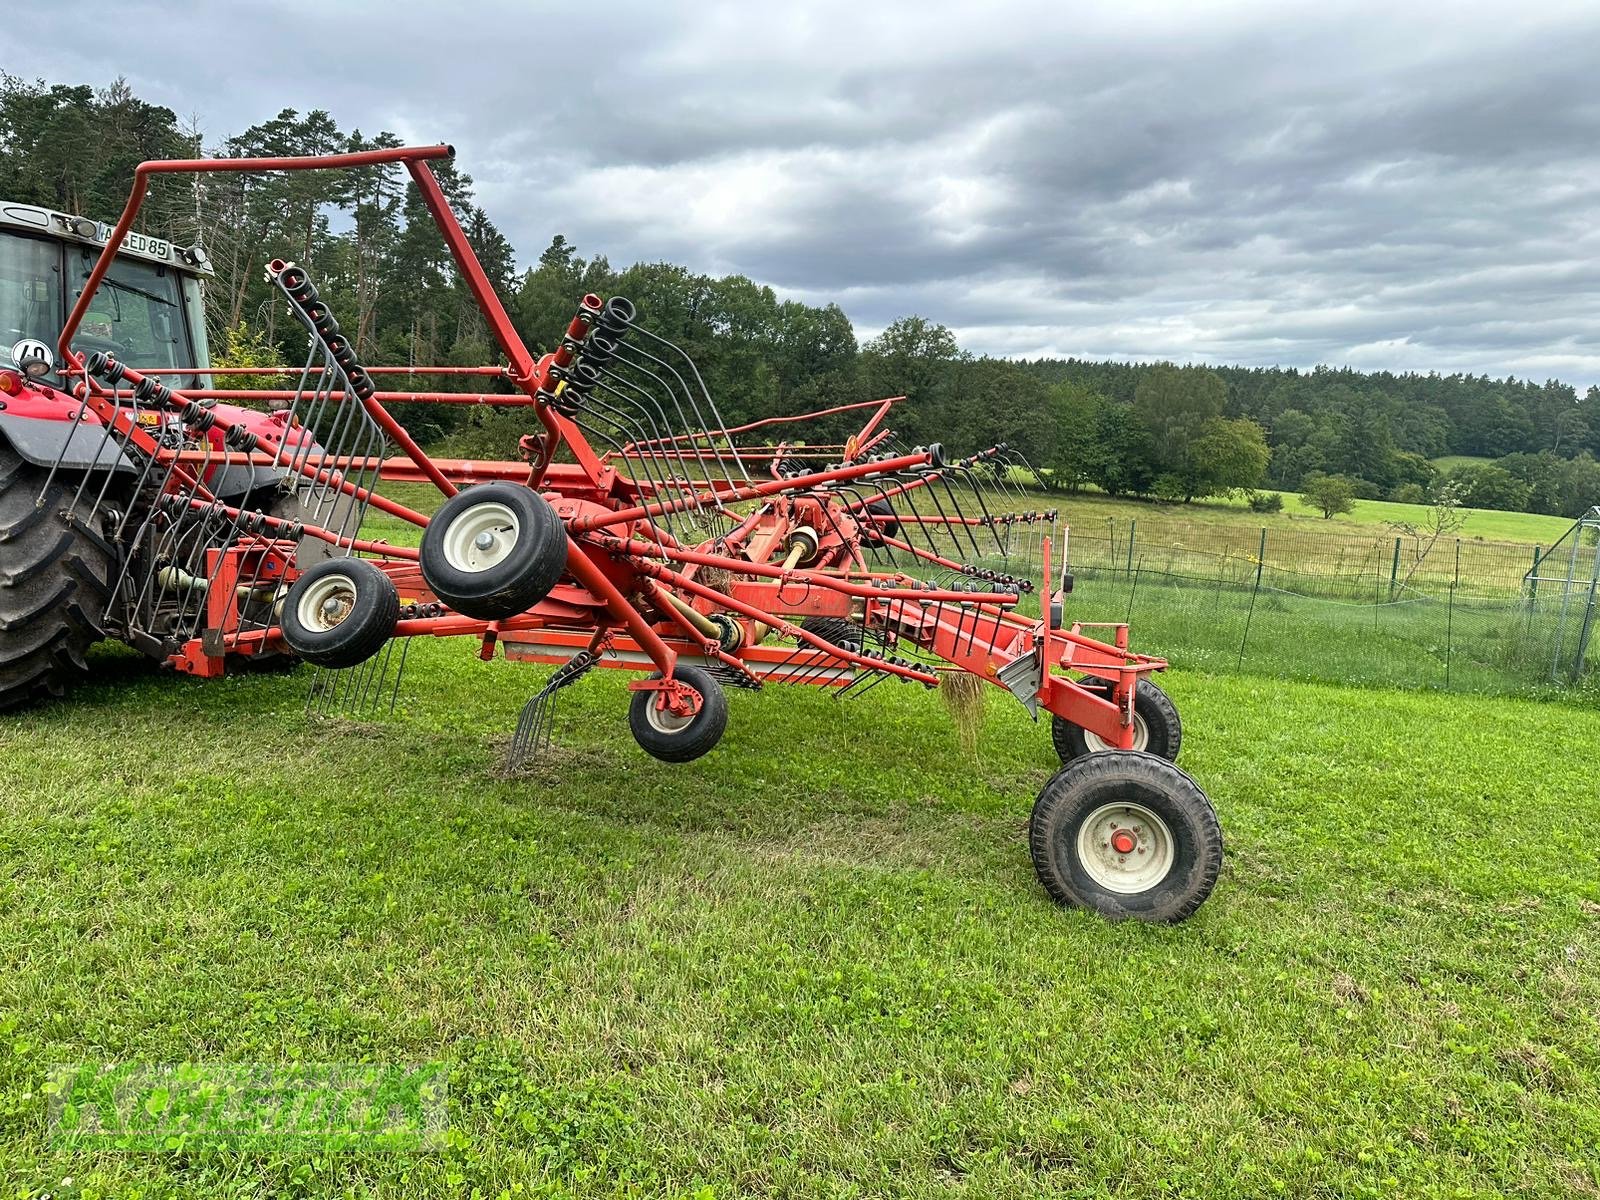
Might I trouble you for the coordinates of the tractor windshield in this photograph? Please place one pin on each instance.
(137, 314)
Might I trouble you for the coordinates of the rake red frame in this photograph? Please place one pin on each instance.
(630, 594)
(604, 510)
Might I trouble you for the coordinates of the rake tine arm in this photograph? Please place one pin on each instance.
(750, 492)
(618, 359)
(665, 574)
(626, 354)
(188, 410)
(711, 434)
(294, 529)
(355, 380)
(645, 550)
(704, 391)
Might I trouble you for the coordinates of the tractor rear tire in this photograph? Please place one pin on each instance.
(1156, 727)
(493, 551)
(54, 584)
(1126, 834)
(675, 739)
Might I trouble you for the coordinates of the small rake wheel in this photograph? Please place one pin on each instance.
(1126, 834)
(340, 612)
(1156, 727)
(493, 551)
(674, 737)
(873, 532)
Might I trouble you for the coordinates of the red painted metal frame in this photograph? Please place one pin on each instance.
(616, 553)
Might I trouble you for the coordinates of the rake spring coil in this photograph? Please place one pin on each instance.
(617, 315)
(193, 413)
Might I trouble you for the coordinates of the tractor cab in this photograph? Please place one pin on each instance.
(149, 312)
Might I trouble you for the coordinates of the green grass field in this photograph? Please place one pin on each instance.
(1369, 517)
(815, 962)
(1449, 462)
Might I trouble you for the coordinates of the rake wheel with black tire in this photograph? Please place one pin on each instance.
(493, 551)
(1128, 835)
(1156, 727)
(666, 735)
(340, 612)
(873, 532)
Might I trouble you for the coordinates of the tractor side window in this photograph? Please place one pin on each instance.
(30, 292)
(137, 314)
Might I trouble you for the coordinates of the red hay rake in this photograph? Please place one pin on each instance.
(636, 531)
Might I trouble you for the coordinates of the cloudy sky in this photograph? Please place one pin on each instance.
(1400, 185)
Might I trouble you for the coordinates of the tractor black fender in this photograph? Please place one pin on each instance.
(76, 446)
(72, 445)
(237, 481)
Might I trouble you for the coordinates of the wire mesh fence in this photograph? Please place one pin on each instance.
(1397, 610)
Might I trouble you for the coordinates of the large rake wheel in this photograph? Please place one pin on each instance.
(1126, 834)
(494, 550)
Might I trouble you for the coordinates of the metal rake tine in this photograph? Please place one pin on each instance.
(527, 727)
(399, 672)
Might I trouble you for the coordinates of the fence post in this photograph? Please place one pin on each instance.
(1533, 575)
(1394, 569)
(1450, 618)
(1588, 620)
(1133, 525)
(1249, 614)
(1566, 599)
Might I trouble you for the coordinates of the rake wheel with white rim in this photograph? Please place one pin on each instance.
(676, 737)
(1126, 834)
(340, 612)
(493, 551)
(1156, 727)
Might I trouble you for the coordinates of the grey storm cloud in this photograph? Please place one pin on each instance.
(1380, 185)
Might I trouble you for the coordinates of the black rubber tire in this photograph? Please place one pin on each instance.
(308, 552)
(517, 582)
(1080, 789)
(361, 633)
(873, 532)
(1151, 705)
(704, 730)
(836, 631)
(54, 584)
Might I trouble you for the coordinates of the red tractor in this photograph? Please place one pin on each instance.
(68, 493)
(635, 529)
